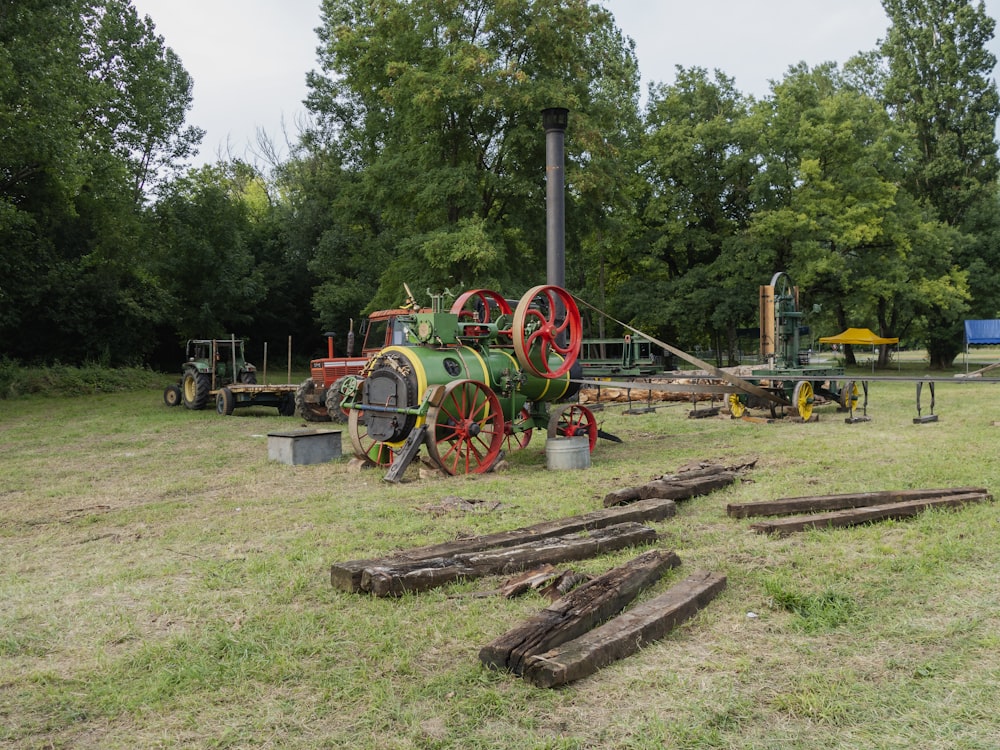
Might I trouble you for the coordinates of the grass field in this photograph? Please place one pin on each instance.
(165, 585)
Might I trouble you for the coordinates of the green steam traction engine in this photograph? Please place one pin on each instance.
(471, 382)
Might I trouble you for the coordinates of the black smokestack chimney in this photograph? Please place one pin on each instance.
(555, 119)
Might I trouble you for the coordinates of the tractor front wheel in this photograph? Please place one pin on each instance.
(195, 389)
(308, 404)
(172, 395)
(334, 399)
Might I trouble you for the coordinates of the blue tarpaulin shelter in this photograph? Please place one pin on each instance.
(978, 333)
(982, 332)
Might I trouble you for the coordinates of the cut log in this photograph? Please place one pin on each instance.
(789, 505)
(621, 497)
(684, 489)
(347, 575)
(688, 482)
(421, 575)
(532, 579)
(855, 516)
(578, 611)
(625, 634)
(703, 413)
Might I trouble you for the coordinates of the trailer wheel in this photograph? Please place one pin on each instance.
(172, 395)
(573, 420)
(225, 402)
(286, 407)
(195, 390)
(466, 430)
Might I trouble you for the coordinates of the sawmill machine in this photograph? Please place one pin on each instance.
(471, 382)
(789, 375)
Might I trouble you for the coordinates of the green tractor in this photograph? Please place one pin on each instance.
(211, 364)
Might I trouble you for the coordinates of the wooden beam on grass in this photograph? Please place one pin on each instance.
(789, 505)
(625, 634)
(856, 516)
(421, 575)
(578, 611)
(347, 575)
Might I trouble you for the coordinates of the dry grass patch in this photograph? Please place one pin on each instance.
(165, 585)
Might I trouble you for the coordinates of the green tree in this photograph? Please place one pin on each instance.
(687, 281)
(939, 81)
(90, 101)
(435, 106)
(831, 210)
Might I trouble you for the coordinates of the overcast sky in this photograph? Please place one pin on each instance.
(249, 58)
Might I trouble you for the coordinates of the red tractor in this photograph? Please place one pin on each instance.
(318, 397)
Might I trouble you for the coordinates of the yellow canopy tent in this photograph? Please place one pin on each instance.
(859, 337)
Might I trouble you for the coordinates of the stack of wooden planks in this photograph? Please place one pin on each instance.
(580, 633)
(851, 509)
(506, 552)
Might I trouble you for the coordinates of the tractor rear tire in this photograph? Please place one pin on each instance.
(195, 390)
(305, 401)
(248, 378)
(172, 395)
(225, 402)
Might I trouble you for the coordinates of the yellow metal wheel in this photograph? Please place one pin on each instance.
(849, 395)
(802, 399)
(736, 407)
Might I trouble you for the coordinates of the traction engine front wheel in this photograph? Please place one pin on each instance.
(466, 431)
(365, 447)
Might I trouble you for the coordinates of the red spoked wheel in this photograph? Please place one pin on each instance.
(517, 439)
(573, 420)
(365, 447)
(482, 306)
(475, 304)
(465, 432)
(538, 330)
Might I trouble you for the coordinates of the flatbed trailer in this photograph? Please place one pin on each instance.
(241, 396)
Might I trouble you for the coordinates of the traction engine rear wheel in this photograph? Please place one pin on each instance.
(573, 420)
(466, 431)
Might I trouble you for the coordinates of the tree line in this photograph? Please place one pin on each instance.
(872, 183)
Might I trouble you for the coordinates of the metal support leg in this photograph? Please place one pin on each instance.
(932, 417)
